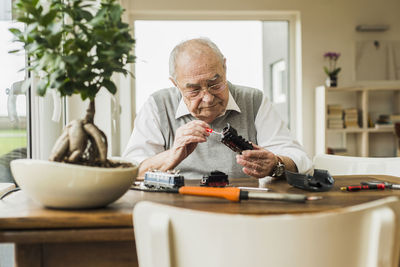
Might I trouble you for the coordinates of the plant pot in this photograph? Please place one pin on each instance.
(71, 186)
(331, 81)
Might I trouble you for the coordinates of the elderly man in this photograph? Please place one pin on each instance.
(170, 130)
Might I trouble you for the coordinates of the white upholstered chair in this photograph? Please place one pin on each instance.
(360, 236)
(345, 165)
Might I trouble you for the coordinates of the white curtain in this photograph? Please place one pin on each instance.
(377, 60)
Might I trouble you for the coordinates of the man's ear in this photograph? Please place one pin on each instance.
(224, 66)
(173, 81)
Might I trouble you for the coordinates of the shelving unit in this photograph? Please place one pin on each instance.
(364, 141)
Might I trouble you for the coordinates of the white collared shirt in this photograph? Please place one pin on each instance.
(272, 134)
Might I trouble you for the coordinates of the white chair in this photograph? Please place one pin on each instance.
(360, 236)
(345, 165)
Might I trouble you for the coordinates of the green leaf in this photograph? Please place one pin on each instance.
(116, 12)
(336, 71)
(86, 15)
(110, 86)
(42, 87)
(49, 17)
(25, 20)
(14, 51)
(72, 59)
(15, 31)
(326, 70)
(55, 39)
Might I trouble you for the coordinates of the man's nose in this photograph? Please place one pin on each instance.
(207, 97)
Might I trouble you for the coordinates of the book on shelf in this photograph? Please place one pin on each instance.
(351, 124)
(351, 118)
(351, 110)
(395, 118)
(383, 125)
(335, 124)
(335, 116)
(341, 151)
(335, 106)
(335, 109)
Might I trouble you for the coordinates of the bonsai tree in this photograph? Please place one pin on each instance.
(75, 48)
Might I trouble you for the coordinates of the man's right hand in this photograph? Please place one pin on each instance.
(186, 139)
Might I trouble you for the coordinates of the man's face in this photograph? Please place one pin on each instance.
(201, 78)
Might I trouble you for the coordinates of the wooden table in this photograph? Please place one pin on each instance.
(104, 237)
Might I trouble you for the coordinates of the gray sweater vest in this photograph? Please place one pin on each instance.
(211, 155)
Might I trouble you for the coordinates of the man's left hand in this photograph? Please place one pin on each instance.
(258, 162)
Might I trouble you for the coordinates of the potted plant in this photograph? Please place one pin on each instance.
(332, 71)
(74, 47)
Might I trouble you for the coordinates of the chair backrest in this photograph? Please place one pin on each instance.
(345, 165)
(363, 235)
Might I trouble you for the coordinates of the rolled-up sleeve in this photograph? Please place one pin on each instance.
(273, 135)
(146, 139)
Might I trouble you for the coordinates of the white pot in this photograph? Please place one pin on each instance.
(71, 186)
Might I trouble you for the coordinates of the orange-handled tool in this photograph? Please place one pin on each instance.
(236, 194)
(230, 193)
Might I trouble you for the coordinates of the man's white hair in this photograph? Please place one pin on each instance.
(182, 46)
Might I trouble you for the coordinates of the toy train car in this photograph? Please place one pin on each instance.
(215, 179)
(159, 179)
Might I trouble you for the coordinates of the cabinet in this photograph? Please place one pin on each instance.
(367, 140)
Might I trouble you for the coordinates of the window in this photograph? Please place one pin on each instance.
(251, 48)
(13, 111)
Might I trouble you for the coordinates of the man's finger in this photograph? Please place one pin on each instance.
(249, 164)
(253, 173)
(194, 132)
(194, 139)
(199, 123)
(259, 154)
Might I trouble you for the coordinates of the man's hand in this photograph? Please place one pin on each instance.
(258, 162)
(186, 139)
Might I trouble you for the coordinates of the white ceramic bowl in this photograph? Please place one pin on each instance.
(71, 186)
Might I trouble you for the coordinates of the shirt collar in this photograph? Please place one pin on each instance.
(182, 109)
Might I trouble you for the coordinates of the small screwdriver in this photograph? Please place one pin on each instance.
(212, 131)
(362, 187)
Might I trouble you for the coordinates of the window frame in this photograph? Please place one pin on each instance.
(295, 72)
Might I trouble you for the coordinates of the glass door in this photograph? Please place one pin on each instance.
(13, 102)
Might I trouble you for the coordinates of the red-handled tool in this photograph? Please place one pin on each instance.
(212, 131)
(363, 187)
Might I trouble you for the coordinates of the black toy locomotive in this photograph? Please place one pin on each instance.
(215, 179)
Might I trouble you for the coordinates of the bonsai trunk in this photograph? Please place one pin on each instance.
(82, 142)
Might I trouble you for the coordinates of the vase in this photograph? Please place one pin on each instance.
(331, 81)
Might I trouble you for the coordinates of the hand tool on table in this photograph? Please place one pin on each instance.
(233, 193)
(362, 187)
(387, 184)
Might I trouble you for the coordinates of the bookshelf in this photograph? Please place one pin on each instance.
(366, 140)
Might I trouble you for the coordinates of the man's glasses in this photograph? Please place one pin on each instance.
(199, 92)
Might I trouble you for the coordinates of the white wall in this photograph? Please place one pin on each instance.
(327, 25)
